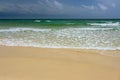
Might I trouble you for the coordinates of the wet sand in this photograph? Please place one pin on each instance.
(20, 63)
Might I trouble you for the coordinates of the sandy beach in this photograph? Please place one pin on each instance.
(22, 63)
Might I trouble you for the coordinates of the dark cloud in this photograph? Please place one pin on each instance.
(59, 9)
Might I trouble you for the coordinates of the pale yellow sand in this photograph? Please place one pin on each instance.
(19, 63)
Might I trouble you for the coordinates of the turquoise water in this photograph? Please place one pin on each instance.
(55, 33)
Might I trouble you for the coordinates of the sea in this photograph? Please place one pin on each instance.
(101, 34)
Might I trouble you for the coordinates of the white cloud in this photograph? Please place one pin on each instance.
(102, 7)
(113, 5)
(53, 4)
(91, 7)
(58, 4)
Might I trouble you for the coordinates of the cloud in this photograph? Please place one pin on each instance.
(60, 8)
(113, 5)
(102, 7)
(90, 7)
(51, 4)
(58, 4)
(38, 7)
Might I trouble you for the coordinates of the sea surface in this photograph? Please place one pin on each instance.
(61, 33)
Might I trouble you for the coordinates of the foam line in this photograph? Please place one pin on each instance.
(105, 24)
(23, 29)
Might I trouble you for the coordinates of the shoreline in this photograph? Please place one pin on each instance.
(30, 63)
(104, 52)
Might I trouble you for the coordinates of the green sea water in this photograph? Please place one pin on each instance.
(52, 23)
(61, 33)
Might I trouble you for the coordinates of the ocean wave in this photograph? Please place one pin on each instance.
(29, 43)
(75, 30)
(83, 38)
(105, 24)
(70, 23)
(91, 29)
(37, 21)
(42, 30)
(48, 21)
(23, 29)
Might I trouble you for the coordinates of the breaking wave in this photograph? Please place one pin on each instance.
(83, 38)
(23, 29)
(105, 24)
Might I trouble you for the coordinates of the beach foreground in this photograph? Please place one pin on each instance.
(20, 63)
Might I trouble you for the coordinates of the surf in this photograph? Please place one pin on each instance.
(47, 33)
(105, 24)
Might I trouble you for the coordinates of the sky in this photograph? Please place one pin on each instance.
(59, 9)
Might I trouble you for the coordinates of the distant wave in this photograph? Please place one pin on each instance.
(48, 20)
(37, 21)
(105, 24)
(91, 29)
(70, 23)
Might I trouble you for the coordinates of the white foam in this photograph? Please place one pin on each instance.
(81, 38)
(23, 29)
(48, 20)
(23, 44)
(37, 21)
(40, 30)
(105, 24)
(93, 29)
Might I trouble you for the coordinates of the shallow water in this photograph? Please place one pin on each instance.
(83, 34)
